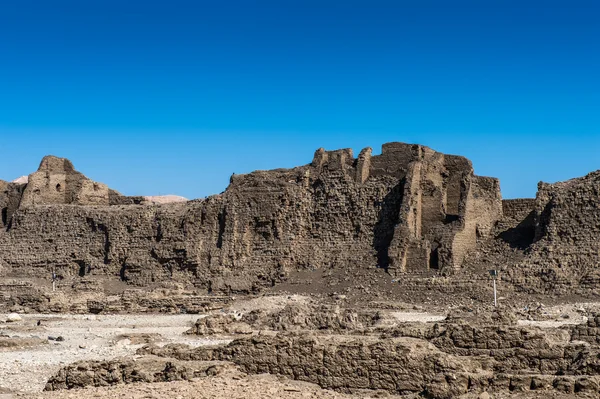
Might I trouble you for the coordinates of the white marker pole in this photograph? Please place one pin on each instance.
(494, 274)
(495, 301)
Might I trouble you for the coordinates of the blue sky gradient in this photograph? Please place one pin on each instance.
(157, 97)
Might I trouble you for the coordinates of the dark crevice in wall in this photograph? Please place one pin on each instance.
(82, 268)
(388, 219)
(523, 235)
(159, 232)
(434, 259)
(4, 216)
(451, 218)
(106, 248)
(92, 224)
(222, 218)
(122, 274)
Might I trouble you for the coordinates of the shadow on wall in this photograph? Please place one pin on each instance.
(388, 219)
(521, 236)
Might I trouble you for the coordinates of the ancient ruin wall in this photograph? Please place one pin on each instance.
(57, 182)
(519, 208)
(446, 208)
(565, 254)
(408, 209)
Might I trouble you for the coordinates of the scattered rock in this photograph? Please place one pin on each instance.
(13, 318)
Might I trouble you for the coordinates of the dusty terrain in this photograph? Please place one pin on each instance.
(154, 342)
(36, 347)
(84, 337)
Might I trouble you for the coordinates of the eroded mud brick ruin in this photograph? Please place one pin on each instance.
(336, 255)
(410, 208)
(407, 211)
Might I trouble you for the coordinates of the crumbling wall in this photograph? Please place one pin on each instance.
(565, 254)
(395, 210)
(57, 182)
(443, 360)
(483, 207)
(519, 208)
(125, 371)
(400, 365)
(446, 208)
(79, 241)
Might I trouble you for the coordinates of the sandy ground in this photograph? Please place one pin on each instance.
(86, 337)
(417, 317)
(561, 315)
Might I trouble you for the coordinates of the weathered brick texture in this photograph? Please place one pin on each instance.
(410, 208)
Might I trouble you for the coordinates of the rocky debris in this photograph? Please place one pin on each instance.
(295, 316)
(126, 371)
(468, 353)
(218, 324)
(28, 359)
(28, 299)
(313, 316)
(13, 318)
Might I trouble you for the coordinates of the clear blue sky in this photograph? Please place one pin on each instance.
(173, 96)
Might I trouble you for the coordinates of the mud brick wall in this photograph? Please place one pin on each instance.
(409, 208)
(565, 257)
(588, 332)
(400, 365)
(518, 208)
